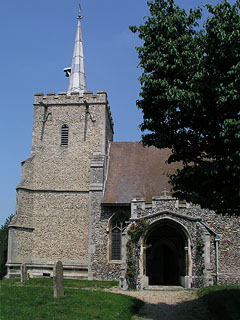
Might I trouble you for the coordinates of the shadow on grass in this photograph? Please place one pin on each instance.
(225, 304)
(186, 310)
(214, 303)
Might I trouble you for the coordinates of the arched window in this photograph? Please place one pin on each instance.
(64, 135)
(118, 224)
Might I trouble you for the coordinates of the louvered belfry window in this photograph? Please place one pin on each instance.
(117, 225)
(64, 135)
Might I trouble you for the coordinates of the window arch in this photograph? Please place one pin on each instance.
(117, 225)
(64, 135)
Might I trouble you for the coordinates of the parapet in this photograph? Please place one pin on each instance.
(74, 97)
(139, 207)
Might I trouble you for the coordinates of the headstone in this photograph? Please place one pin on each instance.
(58, 280)
(24, 276)
(123, 283)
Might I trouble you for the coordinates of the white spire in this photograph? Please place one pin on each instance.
(77, 80)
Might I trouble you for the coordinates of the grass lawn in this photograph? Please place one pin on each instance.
(34, 300)
(223, 301)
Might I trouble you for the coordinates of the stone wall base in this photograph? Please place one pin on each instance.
(227, 279)
(187, 282)
(46, 271)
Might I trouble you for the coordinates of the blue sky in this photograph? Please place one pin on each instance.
(37, 39)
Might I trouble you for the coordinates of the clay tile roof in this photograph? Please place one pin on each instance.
(136, 172)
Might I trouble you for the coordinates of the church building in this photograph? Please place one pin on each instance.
(80, 192)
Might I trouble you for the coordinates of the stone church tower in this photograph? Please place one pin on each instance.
(71, 132)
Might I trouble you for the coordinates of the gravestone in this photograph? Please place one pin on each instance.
(58, 280)
(23, 272)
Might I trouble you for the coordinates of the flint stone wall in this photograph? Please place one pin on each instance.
(100, 265)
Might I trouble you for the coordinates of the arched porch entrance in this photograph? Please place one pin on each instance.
(166, 256)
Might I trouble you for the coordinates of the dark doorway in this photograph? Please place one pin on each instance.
(165, 257)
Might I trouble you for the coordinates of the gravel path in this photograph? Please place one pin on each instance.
(170, 305)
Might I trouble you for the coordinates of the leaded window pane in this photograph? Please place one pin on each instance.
(118, 224)
(116, 244)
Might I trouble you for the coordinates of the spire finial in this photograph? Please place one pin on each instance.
(80, 11)
(77, 76)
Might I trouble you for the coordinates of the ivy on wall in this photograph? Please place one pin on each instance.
(199, 255)
(135, 231)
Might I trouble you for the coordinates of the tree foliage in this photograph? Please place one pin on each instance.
(4, 246)
(190, 98)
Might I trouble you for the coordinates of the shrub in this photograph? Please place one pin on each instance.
(3, 246)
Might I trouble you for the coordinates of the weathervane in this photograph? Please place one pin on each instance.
(80, 10)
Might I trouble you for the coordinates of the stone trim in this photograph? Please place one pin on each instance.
(196, 219)
(28, 229)
(96, 187)
(184, 228)
(48, 265)
(69, 104)
(52, 191)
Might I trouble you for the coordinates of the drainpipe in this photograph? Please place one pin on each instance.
(216, 239)
(45, 117)
(216, 244)
(87, 112)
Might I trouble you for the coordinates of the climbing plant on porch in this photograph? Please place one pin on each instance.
(200, 255)
(135, 231)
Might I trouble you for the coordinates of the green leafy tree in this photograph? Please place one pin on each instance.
(3, 246)
(190, 98)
